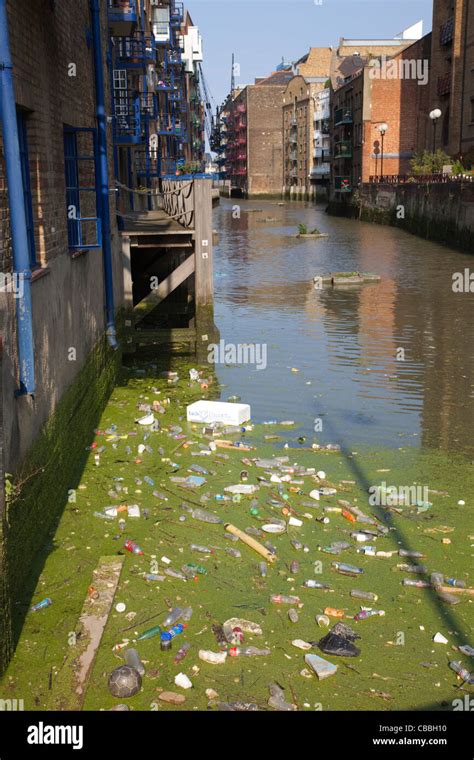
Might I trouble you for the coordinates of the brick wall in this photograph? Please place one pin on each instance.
(265, 143)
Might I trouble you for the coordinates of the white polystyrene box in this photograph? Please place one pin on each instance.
(218, 411)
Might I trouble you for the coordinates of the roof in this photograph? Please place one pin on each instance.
(277, 79)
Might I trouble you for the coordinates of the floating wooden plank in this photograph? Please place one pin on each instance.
(71, 682)
(156, 296)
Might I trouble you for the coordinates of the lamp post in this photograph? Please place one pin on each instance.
(382, 129)
(434, 116)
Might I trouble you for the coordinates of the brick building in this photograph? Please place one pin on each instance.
(452, 78)
(254, 153)
(391, 91)
(89, 110)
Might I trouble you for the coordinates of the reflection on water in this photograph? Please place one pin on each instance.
(345, 341)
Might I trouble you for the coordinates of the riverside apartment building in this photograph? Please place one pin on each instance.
(93, 93)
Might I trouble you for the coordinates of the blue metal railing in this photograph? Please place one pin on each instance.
(122, 14)
(135, 52)
(177, 13)
(128, 119)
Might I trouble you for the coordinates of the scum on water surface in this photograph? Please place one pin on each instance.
(399, 668)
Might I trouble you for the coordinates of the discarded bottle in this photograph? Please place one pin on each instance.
(316, 584)
(263, 569)
(132, 659)
(148, 634)
(455, 583)
(411, 555)
(368, 595)
(344, 569)
(173, 617)
(132, 547)
(187, 614)
(294, 567)
(436, 579)
(365, 614)
(233, 552)
(194, 568)
(181, 653)
(176, 630)
(283, 599)
(154, 577)
(248, 652)
(202, 549)
(463, 673)
(149, 480)
(416, 584)
(41, 605)
(421, 569)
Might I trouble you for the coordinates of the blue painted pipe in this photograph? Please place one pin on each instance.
(103, 174)
(21, 260)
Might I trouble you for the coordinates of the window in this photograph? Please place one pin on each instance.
(82, 197)
(22, 120)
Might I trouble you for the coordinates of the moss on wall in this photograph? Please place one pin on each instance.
(51, 469)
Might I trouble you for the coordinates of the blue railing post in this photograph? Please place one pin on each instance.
(103, 174)
(21, 262)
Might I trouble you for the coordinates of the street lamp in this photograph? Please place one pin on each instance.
(382, 129)
(434, 116)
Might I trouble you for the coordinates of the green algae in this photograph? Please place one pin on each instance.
(400, 668)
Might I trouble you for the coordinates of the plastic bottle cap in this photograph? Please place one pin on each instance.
(120, 607)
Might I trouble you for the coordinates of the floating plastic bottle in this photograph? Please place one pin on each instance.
(41, 605)
(455, 583)
(294, 567)
(176, 630)
(284, 599)
(462, 672)
(316, 584)
(248, 652)
(233, 552)
(263, 569)
(173, 617)
(132, 547)
(368, 595)
(132, 659)
(187, 614)
(149, 633)
(411, 555)
(154, 577)
(416, 584)
(345, 569)
(365, 614)
(181, 653)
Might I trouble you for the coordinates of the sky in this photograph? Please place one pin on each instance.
(261, 32)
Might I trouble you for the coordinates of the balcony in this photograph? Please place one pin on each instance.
(176, 95)
(293, 139)
(148, 105)
(164, 85)
(321, 152)
(343, 149)
(177, 14)
(174, 58)
(123, 17)
(444, 85)
(293, 155)
(342, 116)
(446, 32)
(321, 170)
(343, 184)
(128, 124)
(135, 52)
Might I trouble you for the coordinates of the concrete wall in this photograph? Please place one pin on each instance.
(444, 212)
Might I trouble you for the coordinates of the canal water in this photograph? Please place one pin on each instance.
(387, 364)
